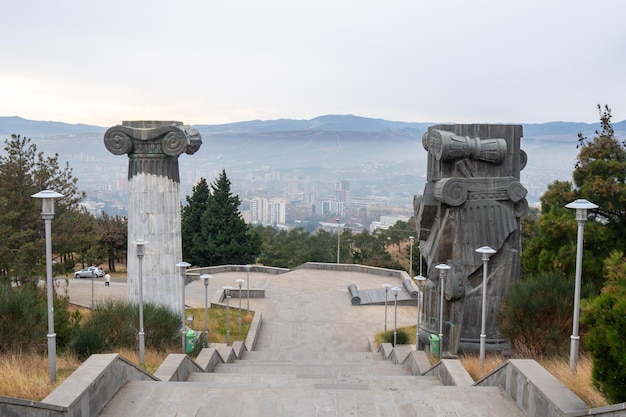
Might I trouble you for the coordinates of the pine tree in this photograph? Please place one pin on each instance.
(197, 204)
(213, 231)
(24, 172)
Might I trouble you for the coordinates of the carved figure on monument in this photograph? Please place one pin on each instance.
(153, 148)
(473, 197)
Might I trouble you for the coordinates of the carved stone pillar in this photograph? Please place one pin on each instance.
(153, 148)
(473, 198)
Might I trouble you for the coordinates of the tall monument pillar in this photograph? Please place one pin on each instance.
(473, 198)
(153, 148)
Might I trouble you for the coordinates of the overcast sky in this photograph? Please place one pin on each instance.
(105, 61)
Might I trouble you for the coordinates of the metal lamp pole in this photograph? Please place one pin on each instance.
(386, 286)
(205, 279)
(92, 291)
(395, 291)
(227, 289)
(581, 206)
(240, 282)
(486, 252)
(183, 274)
(443, 270)
(411, 255)
(420, 279)
(248, 287)
(140, 254)
(47, 214)
(338, 238)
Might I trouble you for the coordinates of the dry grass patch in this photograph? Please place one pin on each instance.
(25, 375)
(580, 384)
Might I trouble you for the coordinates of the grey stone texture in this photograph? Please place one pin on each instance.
(473, 197)
(153, 148)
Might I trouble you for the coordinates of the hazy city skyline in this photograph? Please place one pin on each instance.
(206, 62)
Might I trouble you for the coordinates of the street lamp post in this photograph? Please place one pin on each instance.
(581, 206)
(47, 214)
(486, 252)
(248, 288)
(140, 243)
(395, 291)
(338, 238)
(227, 289)
(420, 279)
(205, 279)
(240, 282)
(183, 274)
(411, 255)
(443, 270)
(92, 291)
(386, 286)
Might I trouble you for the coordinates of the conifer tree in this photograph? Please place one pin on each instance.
(197, 204)
(23, 172)
(213, 231)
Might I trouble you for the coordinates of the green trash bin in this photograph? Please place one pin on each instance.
(434, 345)
(190, 338)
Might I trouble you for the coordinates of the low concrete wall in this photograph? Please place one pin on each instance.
(451, 372)
(418, 362)
(254, 331)
(236, 268)
(354, 268)
(535, 391)
(208, 359)
(84, 393)
(177, 367)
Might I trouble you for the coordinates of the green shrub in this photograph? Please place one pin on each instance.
(115, 324)
(24, 318)
(605, 316)
(536, 314)
(402, 337)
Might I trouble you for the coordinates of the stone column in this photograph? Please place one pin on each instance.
(154, 214)
(473, 198)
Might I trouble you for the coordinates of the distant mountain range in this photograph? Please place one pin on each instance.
(327, 123)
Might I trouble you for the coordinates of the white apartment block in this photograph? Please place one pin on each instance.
(268, 211)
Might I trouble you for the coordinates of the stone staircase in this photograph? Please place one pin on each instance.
(308, 384)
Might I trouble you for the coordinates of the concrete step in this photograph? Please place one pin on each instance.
(372, 382)
(313, 369)
(161, 399)
(311, 356)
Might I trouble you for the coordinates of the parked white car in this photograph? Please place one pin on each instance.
(92, 271)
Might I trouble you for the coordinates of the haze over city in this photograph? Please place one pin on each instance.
(219, 62)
